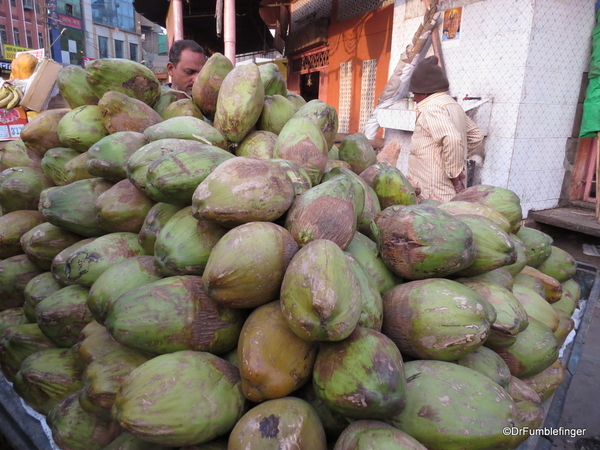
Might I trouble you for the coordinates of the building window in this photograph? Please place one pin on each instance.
(133, 50)
(120, 15)
(16, 36)
(102, 47)
(69, 9)
(118, 49)
(40, 40)
(28, 4)
(13, 3)
(29, 38)
(3, 35)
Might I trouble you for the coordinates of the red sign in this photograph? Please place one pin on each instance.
(69, 21)
(86, 60)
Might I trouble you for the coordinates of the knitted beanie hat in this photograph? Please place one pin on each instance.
(428, 77)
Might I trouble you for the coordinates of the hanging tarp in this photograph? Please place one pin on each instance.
(590, 120)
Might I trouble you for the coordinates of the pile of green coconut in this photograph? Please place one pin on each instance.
(215, 271)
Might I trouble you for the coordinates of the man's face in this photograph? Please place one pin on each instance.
(184, 74)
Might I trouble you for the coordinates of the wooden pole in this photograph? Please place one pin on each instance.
(177, 20)
(229, 30)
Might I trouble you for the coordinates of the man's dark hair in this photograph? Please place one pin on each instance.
(179, 46)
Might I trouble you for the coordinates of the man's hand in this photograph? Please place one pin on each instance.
(458, 182)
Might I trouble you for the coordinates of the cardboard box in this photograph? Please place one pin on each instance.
(41, 85)
(12, 122)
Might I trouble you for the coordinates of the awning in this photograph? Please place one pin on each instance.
(199, 23)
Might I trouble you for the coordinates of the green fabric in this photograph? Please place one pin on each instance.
(590, 120)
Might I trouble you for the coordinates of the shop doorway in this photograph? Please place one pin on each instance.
(309, 85)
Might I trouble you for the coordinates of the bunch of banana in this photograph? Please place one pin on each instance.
(10, 96)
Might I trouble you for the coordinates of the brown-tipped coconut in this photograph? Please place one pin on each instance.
(184, 243)
(245, 268)
(242, 190)
(361, 376)
(76, 168)
(501, 199)
(320, 295)
(54, 162)
(42, 243)
(40, 133)
(536, 306)
(20, 188)
(173, 314)
(548, 380)
(94, 341)
(435, 319)
(566, 324)
(535, 349)
(37, 289)
(59, 263)
(12, 316)
(122, 208)
(13, 225)
(108, 157)
(258, 143)
(207, 84)
(239, 103)
(419, 241)
(325, 211)
(286, 421)
(120, 112)
(570, 297)
(266, 371)
(16, 154)
(303, 142)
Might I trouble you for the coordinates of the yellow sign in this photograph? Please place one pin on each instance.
(10, 51)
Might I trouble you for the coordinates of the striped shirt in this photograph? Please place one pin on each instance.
(443, 135)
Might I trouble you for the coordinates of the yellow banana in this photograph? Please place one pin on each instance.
(15, 100)
(5, 96)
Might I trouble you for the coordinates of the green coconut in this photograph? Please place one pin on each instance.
(54, 162)
(357, 151)
(560, 265)
(246, 266)
(296, 99)
(320, 295)
(74, 87)
(72, 427)
(538, 245)
(535, 349)
(59, 263)
(566, 324)
(154, 221)
(108, 157)
(371, 314)
(132, 273)
(536, 306)
(184, 244)
(239, 103)
(287, 421)
(184, 107)
(489, 363)
(241, 190)
(62, 315)
(435, 318)
(521, 261)
(128, 441)
(418, 242)
(390, 185)
(102, 379)
(173, 178)
(276, 111)
(122, 208)
(296, 174)
(546, 382)
(272, 79)
(17, 343)
(451, 407)
(324, 116)
(15, 273)
(207, 84)
(94, 341)
(81, 128)
(12, 316)
(46, 377)
(38, 288)
(569, 300)
(20, 188)
(189, 128)
(208, 392)
(266, 371)
(13, 226)
(120, 112)
(76, 168)
(367, 434)
(303, 142)
(361, 376)
(71, 207)
(42, 243)
(173, 314)
(457, 207)
(88, 262)
(258, 143)
(501, 199)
